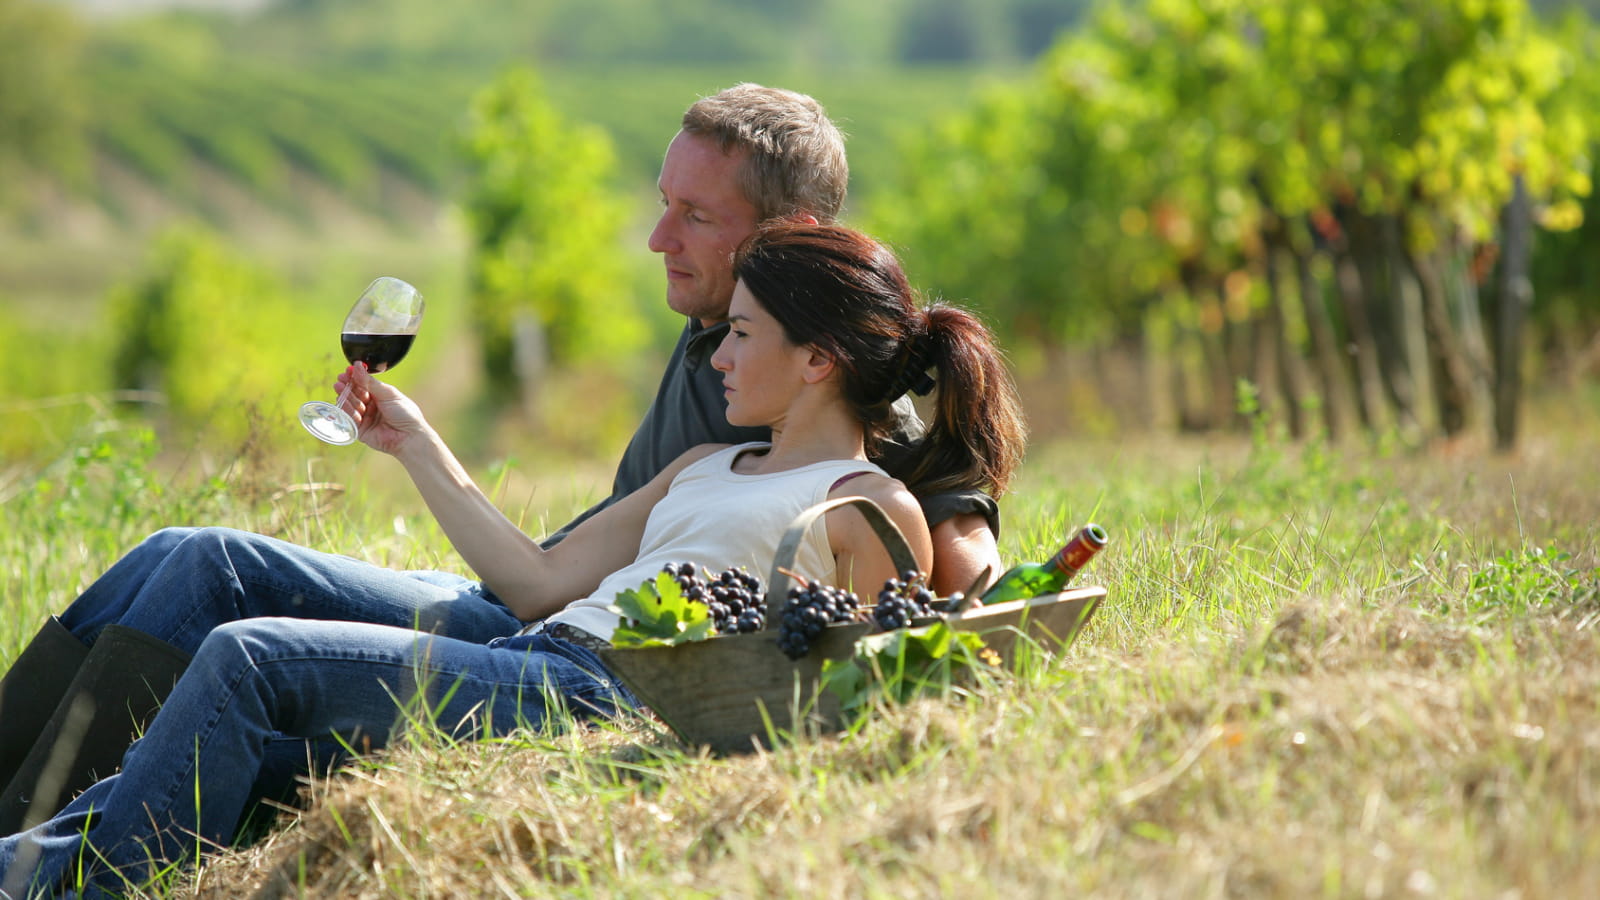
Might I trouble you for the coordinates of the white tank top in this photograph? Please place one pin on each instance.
(718, 519)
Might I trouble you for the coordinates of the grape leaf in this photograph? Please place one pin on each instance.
(657, 614)
(904, 663)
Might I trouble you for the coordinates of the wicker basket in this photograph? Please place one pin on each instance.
(732, 693)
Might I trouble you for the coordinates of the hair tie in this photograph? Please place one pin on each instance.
(913, 375)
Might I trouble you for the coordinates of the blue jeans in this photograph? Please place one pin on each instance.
(181, 583)
(184, 784)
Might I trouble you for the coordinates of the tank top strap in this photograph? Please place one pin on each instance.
(847, 476)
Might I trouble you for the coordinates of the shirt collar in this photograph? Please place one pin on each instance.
(702, 343)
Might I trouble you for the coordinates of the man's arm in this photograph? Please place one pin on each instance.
(963, 546)
(964, 525)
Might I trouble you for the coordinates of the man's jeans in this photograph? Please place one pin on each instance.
(181, 583)
(292, 646)
(185, 783)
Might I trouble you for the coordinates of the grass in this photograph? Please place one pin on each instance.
(1320, 672)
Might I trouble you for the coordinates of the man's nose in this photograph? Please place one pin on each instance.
(661, 237)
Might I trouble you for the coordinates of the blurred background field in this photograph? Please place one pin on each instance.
(1372, 221)
(271, 159)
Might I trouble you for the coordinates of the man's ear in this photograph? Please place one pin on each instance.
(819, 366)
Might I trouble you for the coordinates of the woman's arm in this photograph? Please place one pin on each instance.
(862, 562)
(532, 582)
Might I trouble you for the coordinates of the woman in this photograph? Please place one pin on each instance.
(825, 335)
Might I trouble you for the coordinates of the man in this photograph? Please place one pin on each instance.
(744, 155)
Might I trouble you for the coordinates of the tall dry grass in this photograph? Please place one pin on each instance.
(1320, 671)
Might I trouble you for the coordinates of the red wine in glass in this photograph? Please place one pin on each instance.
(377, 333)
(378, 352)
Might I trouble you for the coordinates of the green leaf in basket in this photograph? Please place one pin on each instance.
(657, 614)
(903, 664)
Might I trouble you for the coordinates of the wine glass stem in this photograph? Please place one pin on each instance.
(345, 391)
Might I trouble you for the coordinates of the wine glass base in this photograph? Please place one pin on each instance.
(328, 423)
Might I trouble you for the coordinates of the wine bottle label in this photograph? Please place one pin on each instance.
(1078, 551)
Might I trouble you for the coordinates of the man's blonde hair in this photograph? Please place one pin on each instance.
(795, 162)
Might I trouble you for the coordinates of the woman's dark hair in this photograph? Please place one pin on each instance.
(845, 294)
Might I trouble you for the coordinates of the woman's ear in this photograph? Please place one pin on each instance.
(819, 366)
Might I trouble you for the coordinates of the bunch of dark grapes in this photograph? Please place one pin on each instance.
(808, 609)
(902, 600)
(734, 597)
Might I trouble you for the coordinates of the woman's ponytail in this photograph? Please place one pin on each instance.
(977, 433)
(845, 294)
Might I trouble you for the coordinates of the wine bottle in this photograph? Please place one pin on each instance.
(1037, 579)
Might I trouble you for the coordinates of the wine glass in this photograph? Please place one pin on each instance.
(377, 333)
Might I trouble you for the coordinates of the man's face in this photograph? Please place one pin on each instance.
(704, 217)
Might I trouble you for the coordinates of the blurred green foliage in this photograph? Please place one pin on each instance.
(40, 109)
(546, 218)
(208, 330)
(348, 91)
(163, 99)
(1174, 165)
(51, 372)
(832, 32)
(1132, 186)
(1164, 133)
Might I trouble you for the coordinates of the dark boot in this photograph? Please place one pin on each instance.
(33, 688)
(117, 690)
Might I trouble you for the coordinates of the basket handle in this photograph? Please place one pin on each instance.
(888, 532)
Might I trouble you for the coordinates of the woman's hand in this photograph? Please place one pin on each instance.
(387, 419)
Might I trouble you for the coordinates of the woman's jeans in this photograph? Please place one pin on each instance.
(180, 584)
(185, 783)
(297, 653)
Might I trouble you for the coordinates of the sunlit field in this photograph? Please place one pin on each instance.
(1320, 671)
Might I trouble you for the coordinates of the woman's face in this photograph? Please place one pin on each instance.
(761, 371)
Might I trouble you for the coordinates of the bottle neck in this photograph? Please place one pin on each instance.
(1073, 556)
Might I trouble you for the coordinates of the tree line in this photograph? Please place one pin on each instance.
(1329, 205)
(1344, 213)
